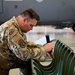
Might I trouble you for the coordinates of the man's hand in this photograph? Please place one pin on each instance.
(49, 48)
(50, 55)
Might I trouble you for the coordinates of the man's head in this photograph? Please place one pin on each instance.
(27, 19)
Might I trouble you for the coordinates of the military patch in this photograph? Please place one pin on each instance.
(21, 43)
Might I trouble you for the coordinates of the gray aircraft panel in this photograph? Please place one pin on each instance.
(50, 11)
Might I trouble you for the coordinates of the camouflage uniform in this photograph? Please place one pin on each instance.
(15, 50)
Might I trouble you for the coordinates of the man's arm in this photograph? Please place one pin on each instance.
(23, 49)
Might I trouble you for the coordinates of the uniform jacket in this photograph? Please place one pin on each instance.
(14, 40)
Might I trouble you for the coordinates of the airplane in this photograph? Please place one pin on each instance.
(60, 13)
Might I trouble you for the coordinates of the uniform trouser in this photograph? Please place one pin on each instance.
(25, 68)
(9, 61)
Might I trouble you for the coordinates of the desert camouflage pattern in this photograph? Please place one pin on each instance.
(13, 42)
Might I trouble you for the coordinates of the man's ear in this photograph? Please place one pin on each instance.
(24, 19)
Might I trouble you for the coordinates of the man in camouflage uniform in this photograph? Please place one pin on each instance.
(15, 50)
